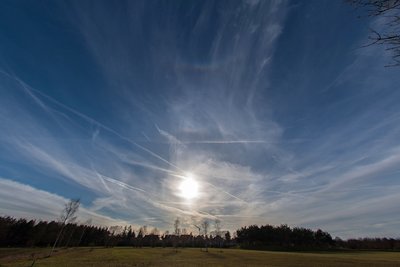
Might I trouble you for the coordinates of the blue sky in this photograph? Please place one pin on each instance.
(273, 107)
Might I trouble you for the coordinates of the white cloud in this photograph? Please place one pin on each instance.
(25, 201)
(215, 118)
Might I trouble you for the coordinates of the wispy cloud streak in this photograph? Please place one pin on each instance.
(237, 93)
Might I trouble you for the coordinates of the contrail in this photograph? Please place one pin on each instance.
(34, 97)
(100, 177)
(122, 184)
(148, 139)
(195, 213)
(89, 119)
(29, 90)
(216, 187)
(169, 136)
(226, 142)
(227, 193)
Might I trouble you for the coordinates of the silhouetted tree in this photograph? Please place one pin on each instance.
(205, 225)
(87, 223)
(268, 236)
(217, 226)
(67, 216)
(389, 34)
(24, 233)
(227, 239)
(176, 227)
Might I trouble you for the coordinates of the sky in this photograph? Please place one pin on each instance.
(276, 109)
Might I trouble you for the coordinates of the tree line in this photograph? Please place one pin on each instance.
(31, 233)
(282, 236)
(370, 243)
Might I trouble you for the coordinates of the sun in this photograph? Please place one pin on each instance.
(189, 188)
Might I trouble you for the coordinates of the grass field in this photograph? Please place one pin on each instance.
(124, 257)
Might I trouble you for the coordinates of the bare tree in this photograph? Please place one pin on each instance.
(205, 225)
(176, 226)
(184, 231)
(217, 226)
(67, 216)
(389, 35)
(198, 228)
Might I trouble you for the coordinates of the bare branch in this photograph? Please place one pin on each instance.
(390, 36)
(67, 216)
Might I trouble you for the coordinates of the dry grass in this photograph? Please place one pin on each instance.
(126, 257)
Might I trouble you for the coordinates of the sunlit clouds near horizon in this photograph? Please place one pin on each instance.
(249, 112)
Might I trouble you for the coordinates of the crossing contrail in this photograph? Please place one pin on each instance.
(31, 91)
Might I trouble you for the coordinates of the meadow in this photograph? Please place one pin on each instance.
(125, 257)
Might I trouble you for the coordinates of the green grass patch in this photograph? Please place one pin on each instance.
(126, 257)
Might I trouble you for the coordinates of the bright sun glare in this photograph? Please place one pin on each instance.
(188, 188)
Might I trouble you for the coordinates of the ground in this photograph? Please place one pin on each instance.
(126, 257)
